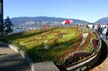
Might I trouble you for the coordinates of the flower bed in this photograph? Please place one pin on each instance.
(80, 53)
(64, 46)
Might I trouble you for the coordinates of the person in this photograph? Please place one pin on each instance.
(104, 32)
(95, 28)
(107, 32)
(99, 29)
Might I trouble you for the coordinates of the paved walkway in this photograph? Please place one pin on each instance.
(11, 61)
(104, 65)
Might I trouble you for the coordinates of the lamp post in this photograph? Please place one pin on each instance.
(1, 17)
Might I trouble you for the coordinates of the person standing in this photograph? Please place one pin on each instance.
(104, 32)
(107, 32)
(99, 29)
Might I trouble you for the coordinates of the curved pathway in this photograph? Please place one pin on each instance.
(11, 61)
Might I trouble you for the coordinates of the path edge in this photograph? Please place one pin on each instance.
(23, 54)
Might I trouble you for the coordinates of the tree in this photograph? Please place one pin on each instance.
(8, 26)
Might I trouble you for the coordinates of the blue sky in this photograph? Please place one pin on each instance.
(88, 10)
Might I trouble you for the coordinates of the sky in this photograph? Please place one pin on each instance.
(88, 10)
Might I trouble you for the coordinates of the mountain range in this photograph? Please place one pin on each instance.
(34, 21)
(102, 21)
(40, 19)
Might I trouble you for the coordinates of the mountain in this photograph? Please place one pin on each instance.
(102, 20)
(28, 20)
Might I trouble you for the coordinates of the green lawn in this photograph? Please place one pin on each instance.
(45, 45)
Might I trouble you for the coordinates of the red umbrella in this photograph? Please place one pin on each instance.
(67, 22)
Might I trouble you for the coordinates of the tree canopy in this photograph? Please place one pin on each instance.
(8, 26)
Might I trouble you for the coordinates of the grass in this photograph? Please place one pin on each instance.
(45, 45)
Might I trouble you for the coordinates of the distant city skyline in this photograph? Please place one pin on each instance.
(87, 10)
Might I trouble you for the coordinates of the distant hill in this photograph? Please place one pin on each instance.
(27, 20)
(102, 21)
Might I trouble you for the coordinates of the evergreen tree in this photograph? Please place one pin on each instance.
(8, 26)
